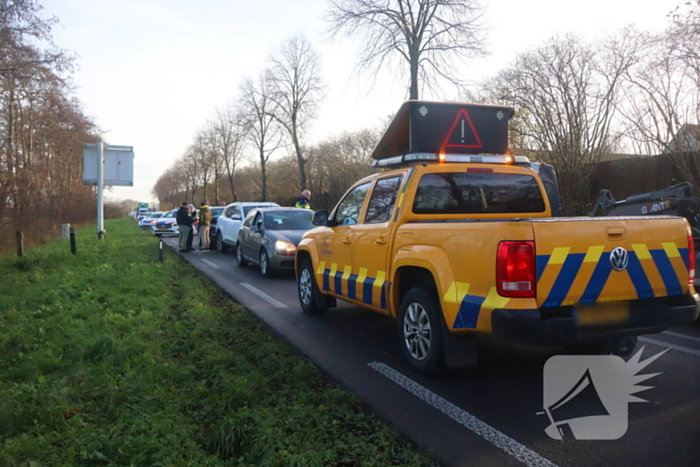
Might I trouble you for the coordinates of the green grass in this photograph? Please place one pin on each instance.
(113, 358)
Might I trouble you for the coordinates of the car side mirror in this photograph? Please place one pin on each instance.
(320, 218)
(255, 228)
(236, 218)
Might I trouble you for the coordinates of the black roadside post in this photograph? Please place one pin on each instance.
(160, 250)
(20, 244)
(72, 240)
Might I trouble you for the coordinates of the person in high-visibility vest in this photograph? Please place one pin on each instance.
(303, 200)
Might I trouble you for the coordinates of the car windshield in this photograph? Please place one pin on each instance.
(216, 212)
(156, 215)
(170, 214)
(288, 220)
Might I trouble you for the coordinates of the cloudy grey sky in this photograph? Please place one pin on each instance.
(153, 71)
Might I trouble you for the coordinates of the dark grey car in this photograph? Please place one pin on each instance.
(269, 237)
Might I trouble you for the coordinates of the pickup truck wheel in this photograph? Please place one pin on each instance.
(220, 245)
(240, 260)
(420, 331)
(310, 298)
(265, 268)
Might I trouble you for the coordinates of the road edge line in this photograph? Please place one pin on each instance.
(484, 430)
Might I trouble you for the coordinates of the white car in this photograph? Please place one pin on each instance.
(230, 222)
(147, 222)
(166, 225)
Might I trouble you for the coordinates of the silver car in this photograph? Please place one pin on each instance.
(269, 237)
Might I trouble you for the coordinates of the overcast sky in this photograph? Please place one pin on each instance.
(151, 72)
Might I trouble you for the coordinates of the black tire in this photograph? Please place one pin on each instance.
(420, 331)
(312, 301)
(220, 245)
(265, 268)
(240, 260)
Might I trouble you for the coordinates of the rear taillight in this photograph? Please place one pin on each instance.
(691, 260)
(515, 269)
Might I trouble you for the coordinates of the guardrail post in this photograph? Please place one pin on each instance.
(20, 244)
(72, 241)
(160, 250)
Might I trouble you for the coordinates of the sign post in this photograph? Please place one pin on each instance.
(107, 165)
(100, 190)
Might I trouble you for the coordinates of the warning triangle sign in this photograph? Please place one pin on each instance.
(462, 133)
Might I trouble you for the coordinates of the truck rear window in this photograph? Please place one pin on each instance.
(477, 193)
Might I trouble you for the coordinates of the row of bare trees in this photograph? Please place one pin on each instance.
(577, 101)
(42, 128)
(271, 113)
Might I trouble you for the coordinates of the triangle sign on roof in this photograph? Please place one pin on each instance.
(462, 133)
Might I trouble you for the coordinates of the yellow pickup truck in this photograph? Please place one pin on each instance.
(459, 237)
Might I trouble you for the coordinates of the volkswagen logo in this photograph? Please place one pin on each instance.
(619, 258)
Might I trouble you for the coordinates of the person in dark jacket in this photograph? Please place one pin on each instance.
(184, 225)
(303, 200)
(193, 219)
(204, 225)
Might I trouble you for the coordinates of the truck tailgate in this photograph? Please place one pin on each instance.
(586, 260)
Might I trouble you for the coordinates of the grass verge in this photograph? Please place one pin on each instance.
(112, 358)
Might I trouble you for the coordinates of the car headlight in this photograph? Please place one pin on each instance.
(285, 247)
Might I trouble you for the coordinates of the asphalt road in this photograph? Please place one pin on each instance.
(486, 415)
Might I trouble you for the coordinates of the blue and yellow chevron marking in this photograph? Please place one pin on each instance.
(471, 306)
(581, 277)
(346, 283)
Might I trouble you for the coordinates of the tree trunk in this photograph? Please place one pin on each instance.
(301, 161)
(263, 175)
(414, 77)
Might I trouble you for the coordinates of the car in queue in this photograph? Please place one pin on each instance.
(147, 222)
(166, 225)
(216, 212)
(228, 223)
(269, 237)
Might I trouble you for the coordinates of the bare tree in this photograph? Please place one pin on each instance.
(661, 110)
(428, 36)
(229, 133)
(565, 94)
(42, 128)
(262, 129)
(296, 91)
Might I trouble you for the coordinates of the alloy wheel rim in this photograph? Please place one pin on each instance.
(305, 287)
(416, 331)
(239, 255)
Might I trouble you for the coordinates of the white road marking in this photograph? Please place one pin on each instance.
(264, 296)
(684, 336)
(487, 432)
(673, 346)
(211, 264)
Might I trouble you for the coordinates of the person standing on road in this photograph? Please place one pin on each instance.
(184, 225)
(204, 225)
(304, 200)
(193, 219)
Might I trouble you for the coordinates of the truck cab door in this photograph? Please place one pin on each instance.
(335, 243)
(372, 244)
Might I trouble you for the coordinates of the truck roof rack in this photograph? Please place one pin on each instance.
(424, 157)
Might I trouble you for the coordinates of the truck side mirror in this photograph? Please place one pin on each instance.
(320, 218)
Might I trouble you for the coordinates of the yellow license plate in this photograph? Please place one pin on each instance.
(602, 314)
